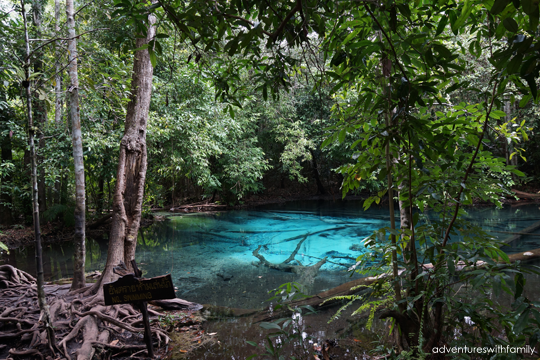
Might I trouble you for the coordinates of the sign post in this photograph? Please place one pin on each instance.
(131, 288)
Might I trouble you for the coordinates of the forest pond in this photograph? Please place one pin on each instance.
(210, 255)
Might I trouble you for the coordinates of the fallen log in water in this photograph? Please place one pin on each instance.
(529, 229)
(525, 256)
(187, 208)
(176, 304)
(524, 195)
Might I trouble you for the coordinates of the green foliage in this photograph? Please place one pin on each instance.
(296, 150)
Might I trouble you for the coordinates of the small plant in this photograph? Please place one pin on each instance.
(168, 322)
(287, 330)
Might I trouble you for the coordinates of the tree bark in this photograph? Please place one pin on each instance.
(79, 255)
(131, 173)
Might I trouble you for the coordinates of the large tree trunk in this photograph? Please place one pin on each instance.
(80, 251)
(131, 174)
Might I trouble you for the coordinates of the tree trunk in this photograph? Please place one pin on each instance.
(320, 187)
(41, 106)
(58, 94)
(42, 301)
(100, 195)
(58, 76)
(76, 136)
(386, 69)
(509, 148)
(131, 173)
(6, 218)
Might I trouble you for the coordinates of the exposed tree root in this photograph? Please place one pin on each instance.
(81, 320)
(118, 347)
(26, 353)
(14, 275)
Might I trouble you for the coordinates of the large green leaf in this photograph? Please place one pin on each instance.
(511, 25)
(465, 12)
(514, 64)
(520, 285)
(499, 6)
(529, 6)
(521, 322)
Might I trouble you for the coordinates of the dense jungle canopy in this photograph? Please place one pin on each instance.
(120, 107)
(244, 94)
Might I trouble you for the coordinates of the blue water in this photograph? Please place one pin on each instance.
(215, 251)
(210, 255)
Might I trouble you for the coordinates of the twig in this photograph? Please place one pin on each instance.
(389, 41)
(56, 39)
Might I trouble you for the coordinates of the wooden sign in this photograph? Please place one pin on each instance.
(130, 289)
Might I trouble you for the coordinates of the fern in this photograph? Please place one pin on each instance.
(4, 247)
(382, 294)
(373, 306)
(350, 298)
(60, 211)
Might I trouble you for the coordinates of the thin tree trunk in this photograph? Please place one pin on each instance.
(315, 168)
(58, 92)
(41, 107)
(76, 136)
(509, 148)
(6, 199)
(100, 195)
(58, 76)
(131, 174)
(42, 301)
(386, 67)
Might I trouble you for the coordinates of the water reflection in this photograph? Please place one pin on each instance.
(58, 258)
